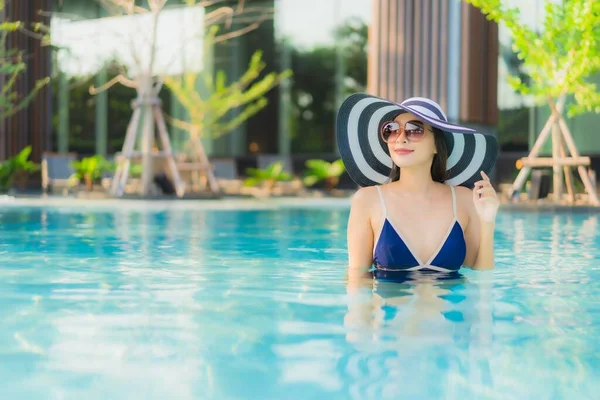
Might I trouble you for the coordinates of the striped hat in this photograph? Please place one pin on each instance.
(366, 155)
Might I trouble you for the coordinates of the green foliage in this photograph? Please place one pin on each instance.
(313, 95)
(321, 170)
(82, 106)
(208, 112)
(273, 173)
(10, 168)
(12, 65)
(561, 58)
(353, 39)
(90, 169)
(135, 170)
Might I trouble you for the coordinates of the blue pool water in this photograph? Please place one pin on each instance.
(181, 304)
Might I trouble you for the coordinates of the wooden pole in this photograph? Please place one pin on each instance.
(123, 163)
(568, 174)
(148, 102)
(199, 162)
(550, 161)
(593, 196)
(212, 181)
(150, 106)
(166, 145)
(524, 172)
(147, 134)
(199, 178)
(560, 131)
(557, 181)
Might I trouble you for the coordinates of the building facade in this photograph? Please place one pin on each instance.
(442, 49)
(31, 126)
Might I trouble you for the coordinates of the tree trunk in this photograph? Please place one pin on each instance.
(331, 183)
(556, 168)
(88, 183)
(147, 138)
(21, 180)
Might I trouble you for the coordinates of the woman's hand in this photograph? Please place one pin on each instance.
(485, 199)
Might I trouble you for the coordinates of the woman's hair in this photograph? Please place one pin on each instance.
(438, 165)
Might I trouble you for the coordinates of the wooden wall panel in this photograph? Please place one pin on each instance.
(479, 70)
(409, 45)
(32, 125)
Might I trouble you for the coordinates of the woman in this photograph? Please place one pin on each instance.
(426, 202)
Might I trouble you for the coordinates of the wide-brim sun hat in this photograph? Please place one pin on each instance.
(366, 155)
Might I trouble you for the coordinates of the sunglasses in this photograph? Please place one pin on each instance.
(414, 131)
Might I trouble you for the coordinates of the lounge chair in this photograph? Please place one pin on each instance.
(225, 170)
(56, 171)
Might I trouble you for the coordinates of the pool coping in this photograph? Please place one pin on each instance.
(225, 203)
(241, 203)
(554, 208)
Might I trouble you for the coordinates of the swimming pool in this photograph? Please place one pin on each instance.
(188, 303)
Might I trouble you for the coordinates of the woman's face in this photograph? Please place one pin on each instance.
(410, 141)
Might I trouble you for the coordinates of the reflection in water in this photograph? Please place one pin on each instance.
(413, 323)
(589, 233)
(228, 304)
(518, 236)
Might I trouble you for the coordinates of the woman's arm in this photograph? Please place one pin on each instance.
(360, 258)
(360, 235)
(482, 224)
(484, 258)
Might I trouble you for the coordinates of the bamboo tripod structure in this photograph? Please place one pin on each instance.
(150, 108)
(560, 161)
(200, 165)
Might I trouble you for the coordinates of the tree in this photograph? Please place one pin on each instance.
(313, 94)
(148, 83)
(12, 65)
(559, 62)
(353, 37)
(207, 112)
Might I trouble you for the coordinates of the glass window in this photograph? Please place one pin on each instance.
(515, 109)
(88, 41)
(324, 44)
(88, 44)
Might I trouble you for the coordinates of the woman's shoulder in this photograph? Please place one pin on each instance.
(464, 197)
(462, 192)
(365, 196)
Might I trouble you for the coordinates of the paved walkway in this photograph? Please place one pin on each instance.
(234, 203)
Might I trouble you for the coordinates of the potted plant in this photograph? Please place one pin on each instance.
(267, 177)
(16, 167)
(90, 170)
(321, 170)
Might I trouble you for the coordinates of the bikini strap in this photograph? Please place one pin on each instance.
(453, 200)
(383, 208)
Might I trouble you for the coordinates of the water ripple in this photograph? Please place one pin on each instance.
(253, 304)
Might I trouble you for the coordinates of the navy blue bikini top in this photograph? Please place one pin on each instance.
(392, 253)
